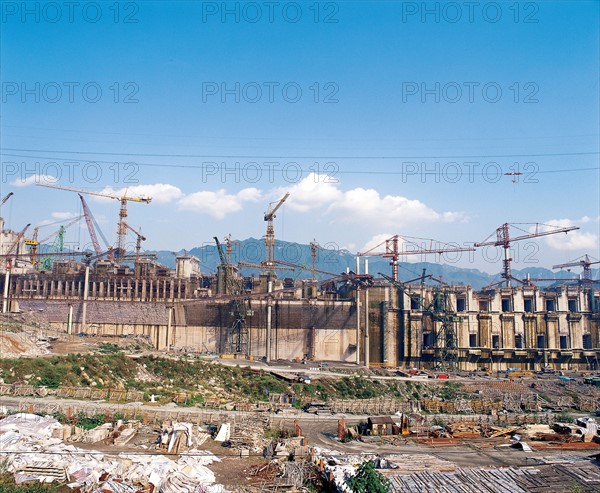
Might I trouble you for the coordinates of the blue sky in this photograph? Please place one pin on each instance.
(379, 118)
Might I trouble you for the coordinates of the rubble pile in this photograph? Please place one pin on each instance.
(32, 452)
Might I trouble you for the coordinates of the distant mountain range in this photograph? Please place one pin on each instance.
(333, 261)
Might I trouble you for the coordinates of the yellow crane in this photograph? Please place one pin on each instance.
(33, 243)
(123, 199)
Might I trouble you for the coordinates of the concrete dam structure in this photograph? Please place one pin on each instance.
(419, 326)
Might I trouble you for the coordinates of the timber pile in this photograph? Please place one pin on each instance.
(464, 429)
(496, 431)
(416, 463)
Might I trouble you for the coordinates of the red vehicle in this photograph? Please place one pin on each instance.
(443, 376)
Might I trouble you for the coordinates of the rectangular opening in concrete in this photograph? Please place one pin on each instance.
(472, 340)
(564, 342)
(518, 341)
(496, 341)
(427, 340)
(573, 305)
(541, 341)
(415, 303)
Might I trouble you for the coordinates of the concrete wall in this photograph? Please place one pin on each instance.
(522, 326)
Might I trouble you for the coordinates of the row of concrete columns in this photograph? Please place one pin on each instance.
(109, 288)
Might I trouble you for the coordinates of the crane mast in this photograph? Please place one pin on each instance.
(270, 236)
(441, 311)
(237, 336)
(138, 247)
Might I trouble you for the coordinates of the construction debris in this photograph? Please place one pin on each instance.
(33, 454)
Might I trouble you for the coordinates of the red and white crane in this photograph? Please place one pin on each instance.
(419, 246)
(585, 263)
(504, 240)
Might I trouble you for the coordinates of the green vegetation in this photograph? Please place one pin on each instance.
(201, 380)
(88, 423)
(565, 417)
(107, 347)
(70, 370)
(6, 487)
(368, 480)
(362, 388)
(7, 483)
(450, 391)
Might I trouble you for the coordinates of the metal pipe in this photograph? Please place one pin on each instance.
(5, 298)
(269, 315)
(366, 343)
(85, 297)
(169, 322)
(70, 320)
(357, 300)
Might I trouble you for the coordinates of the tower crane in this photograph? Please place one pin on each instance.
(237, 336)
(504, 240)
(123, 199)
(440, 309)
(229, 242)
(586, 263)
(270, 236)
(392, 252)
(138, 245)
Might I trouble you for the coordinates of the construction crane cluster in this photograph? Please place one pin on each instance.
(122, 223)
(389, 248)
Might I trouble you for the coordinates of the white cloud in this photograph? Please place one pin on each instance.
(573, 240)
(161, 193)
(35, 180)
(218, 204)
(315, 190)
(369, 207)
(359, 204)
(63, 216)
(376, 241)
